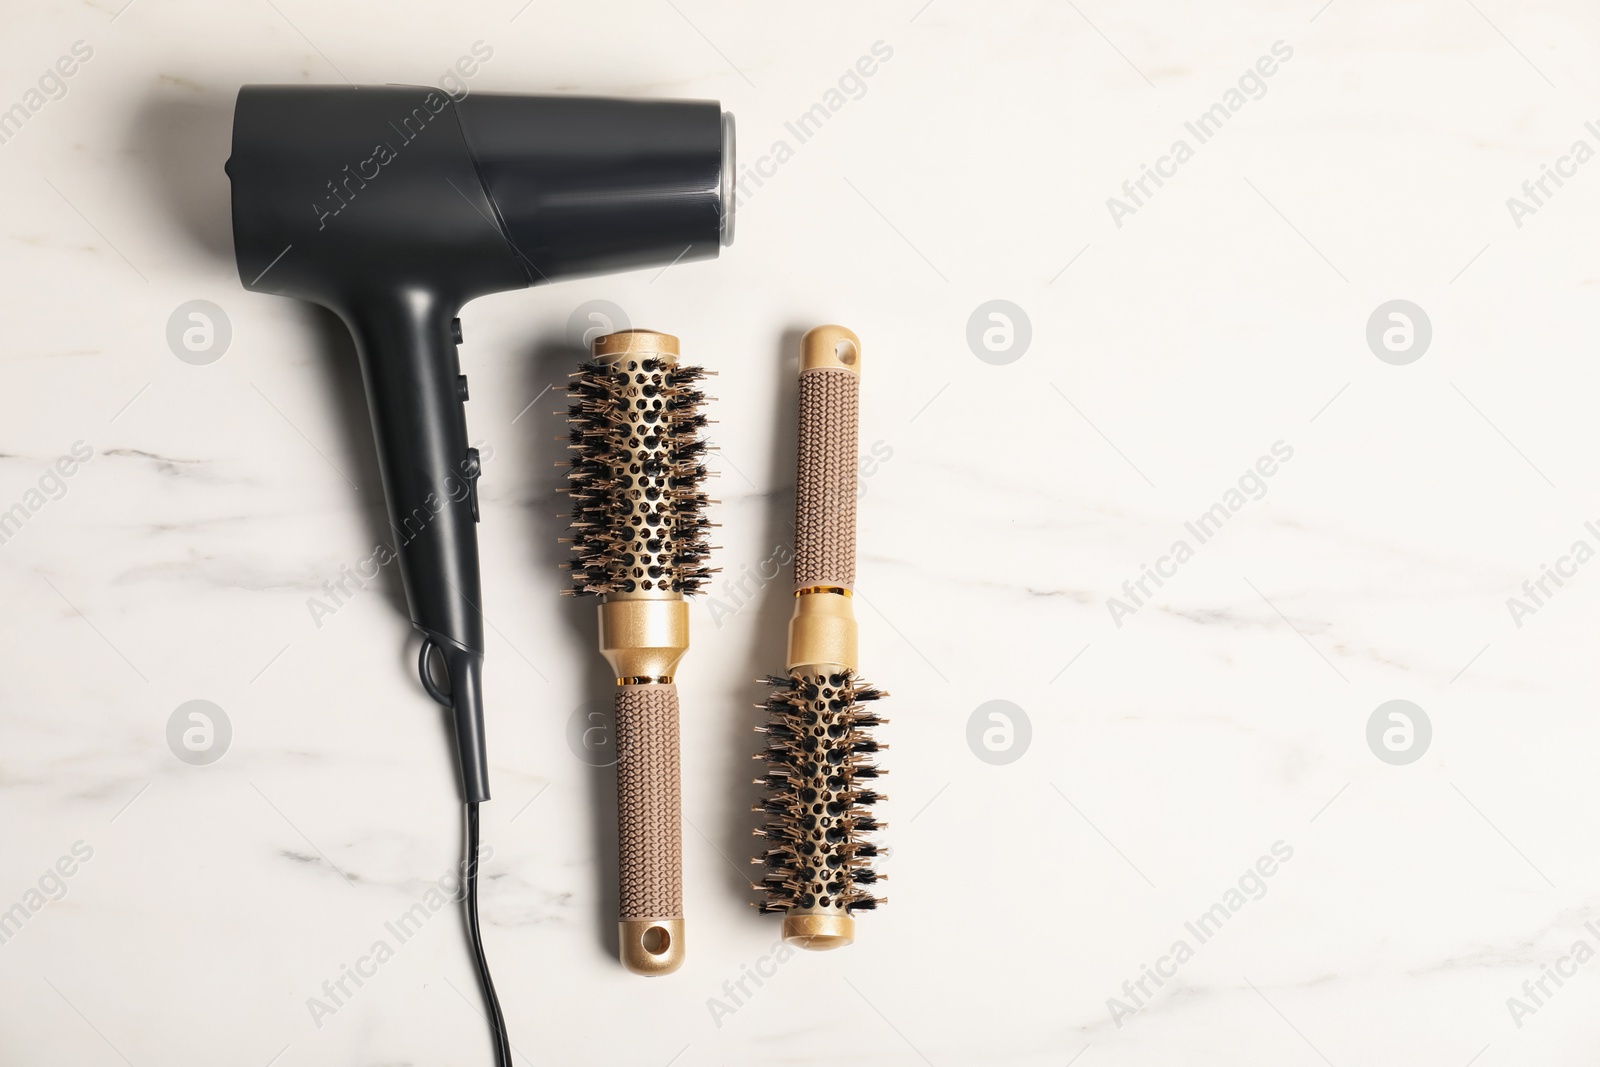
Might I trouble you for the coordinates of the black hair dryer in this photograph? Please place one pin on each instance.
(394, 206)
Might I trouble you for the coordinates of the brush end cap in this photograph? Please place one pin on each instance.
(830, 348)
(651, 947)
(819, 933)
(635, 344)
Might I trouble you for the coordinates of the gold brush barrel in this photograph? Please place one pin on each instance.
(638, 525)
(819, 768)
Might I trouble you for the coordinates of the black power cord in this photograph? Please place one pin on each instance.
(469, 896)
(497, 1021)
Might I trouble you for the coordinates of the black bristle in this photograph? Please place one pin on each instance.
(817, 751)
(620, 513)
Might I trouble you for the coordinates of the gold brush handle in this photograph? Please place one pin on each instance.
(649, 829)
(822, 630)
(825, 479)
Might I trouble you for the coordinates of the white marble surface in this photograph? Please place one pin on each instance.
(1227, 714)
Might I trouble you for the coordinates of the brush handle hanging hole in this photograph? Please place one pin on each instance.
(845, 352)
(656, 940)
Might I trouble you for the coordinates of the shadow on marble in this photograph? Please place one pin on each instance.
(179, 148)
(765, 619)
(542, 438)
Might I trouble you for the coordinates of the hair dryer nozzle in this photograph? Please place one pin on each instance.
(729, 196)
(585, 185)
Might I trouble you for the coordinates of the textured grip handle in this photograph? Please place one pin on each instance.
(649, 816)
(825, 480)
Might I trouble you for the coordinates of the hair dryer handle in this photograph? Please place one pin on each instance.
(415, 394)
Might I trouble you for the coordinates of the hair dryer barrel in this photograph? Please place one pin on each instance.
(337, 191)
(394, 206)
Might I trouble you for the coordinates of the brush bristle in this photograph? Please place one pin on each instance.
(818, 760)
(638, 512)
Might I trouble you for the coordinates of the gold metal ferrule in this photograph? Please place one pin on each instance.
(822, 631)
(643, 638)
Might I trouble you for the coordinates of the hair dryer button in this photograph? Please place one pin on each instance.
(455, 330)
(472, 468)
(461, 388)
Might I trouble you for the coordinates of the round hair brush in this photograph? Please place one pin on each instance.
(639, 541)
(820, 775)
